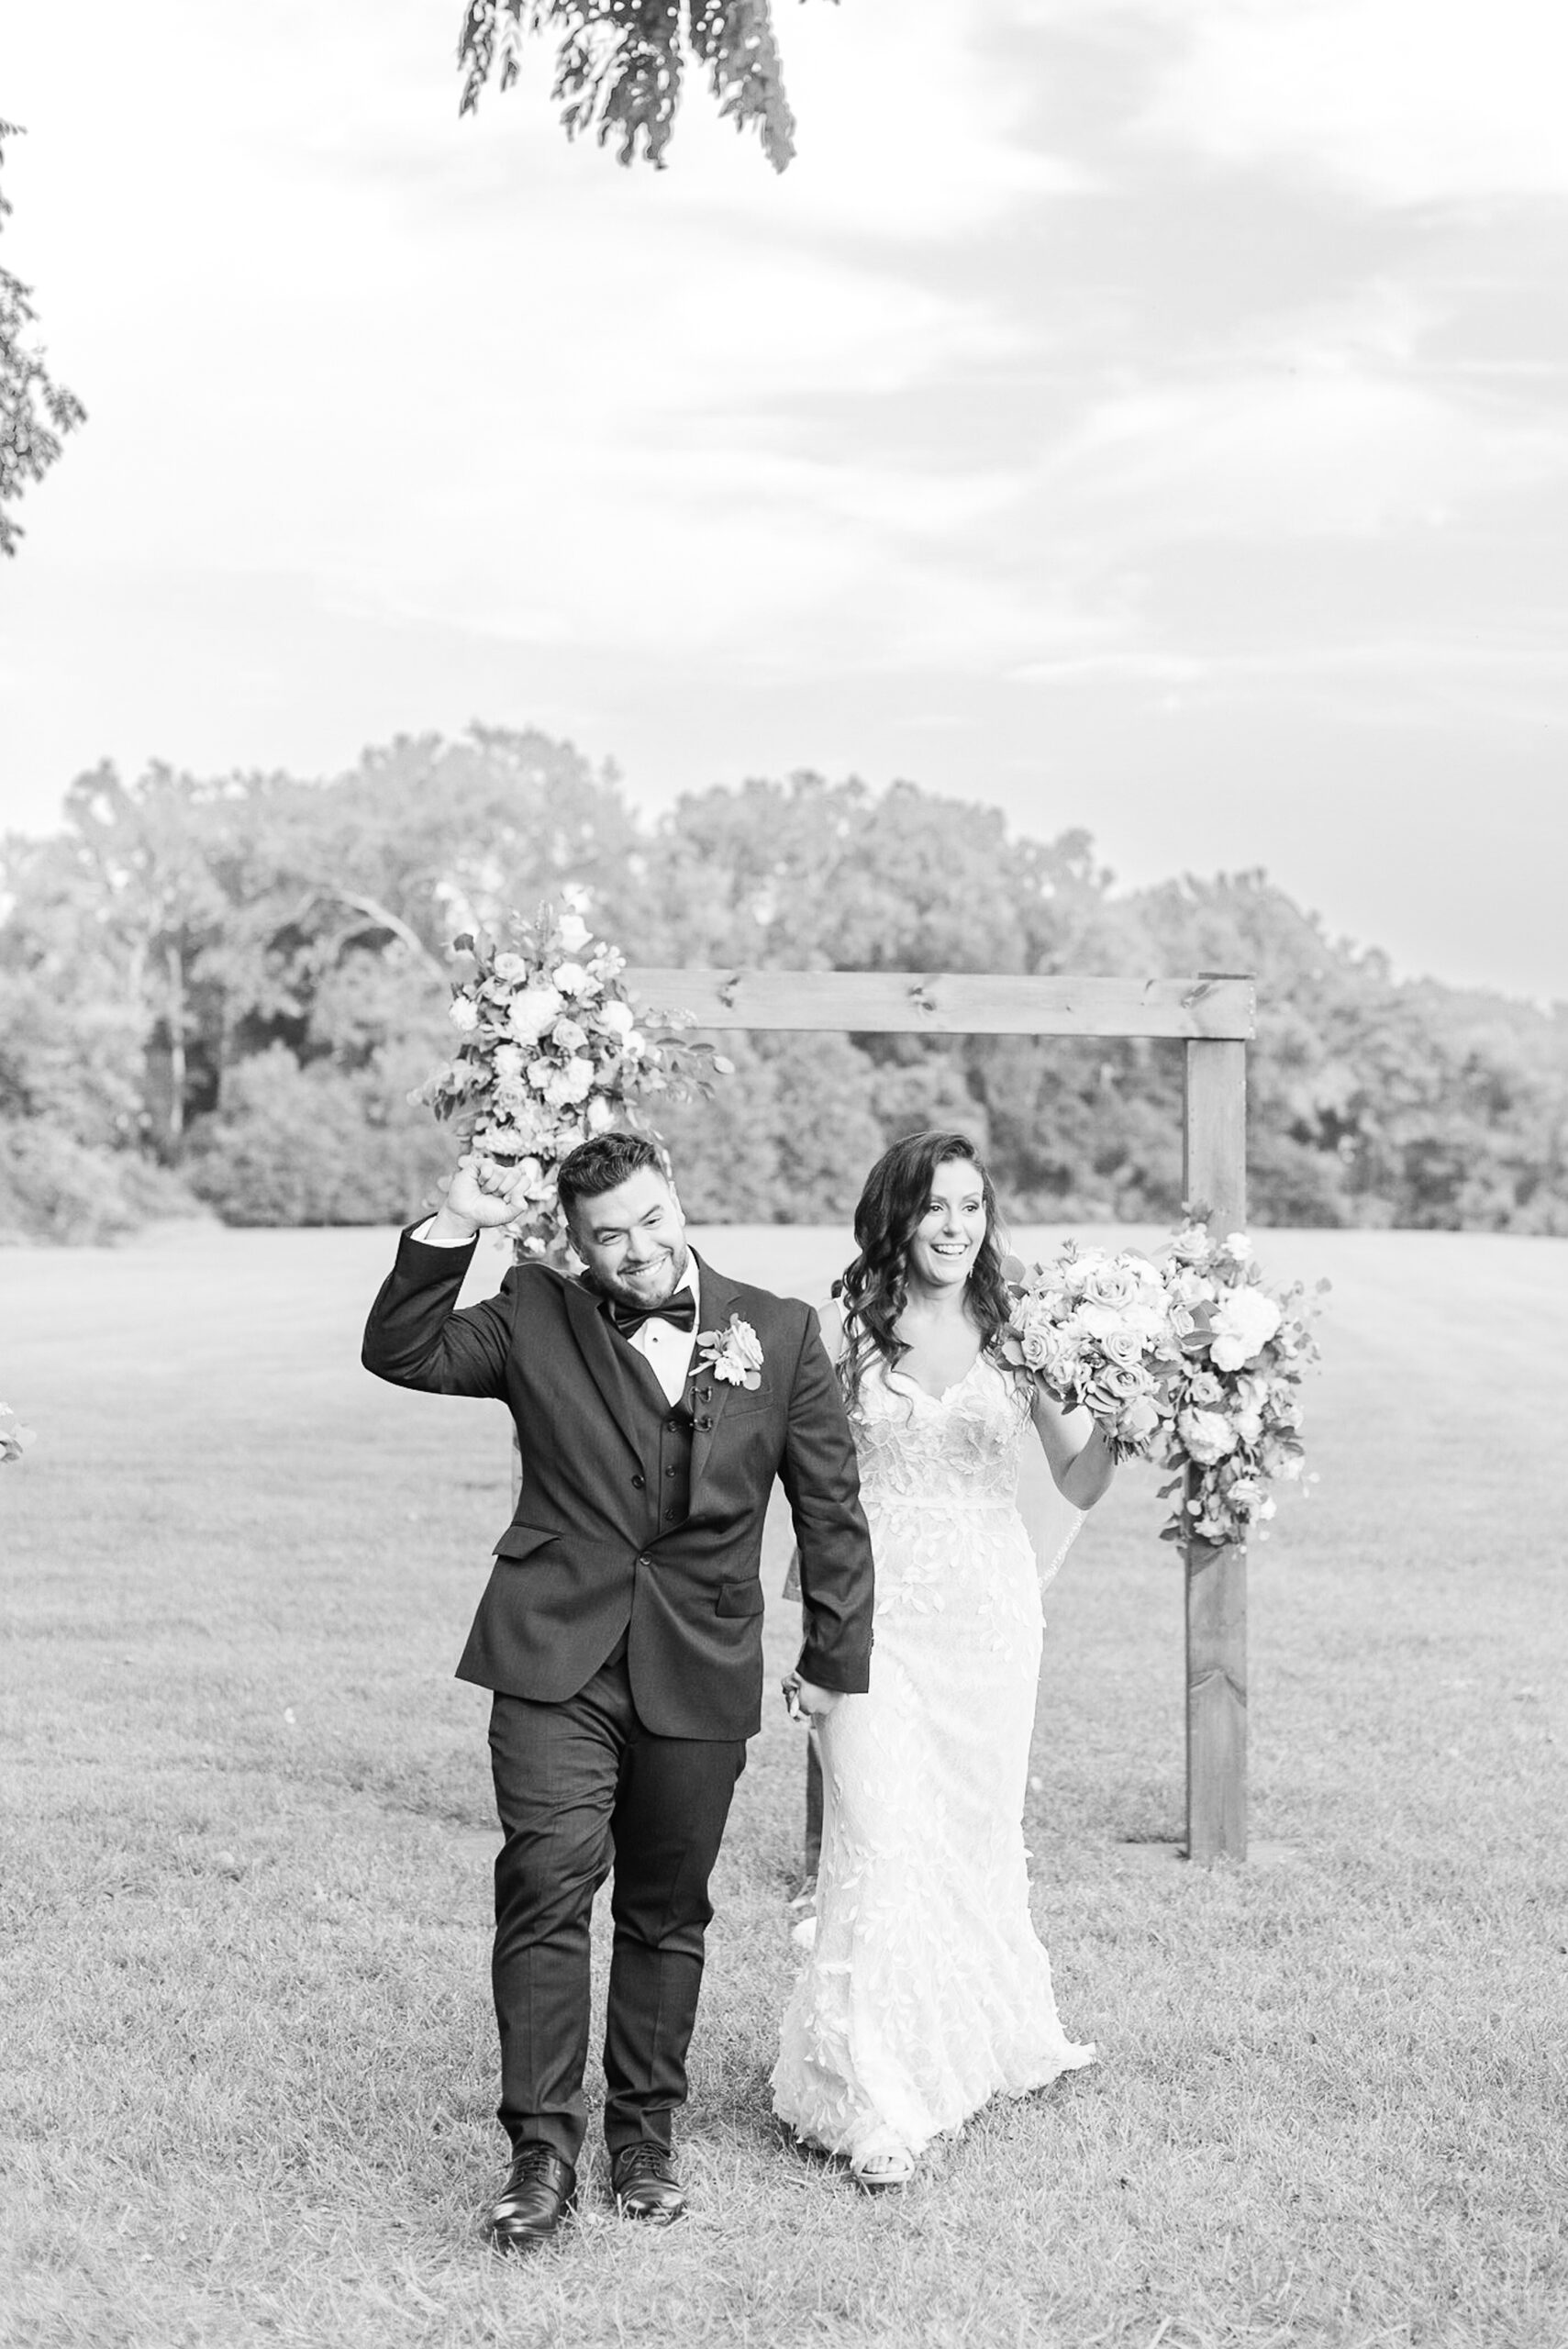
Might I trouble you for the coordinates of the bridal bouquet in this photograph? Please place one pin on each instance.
(552, 1049)
(1235, 1415)
(1096, 1331)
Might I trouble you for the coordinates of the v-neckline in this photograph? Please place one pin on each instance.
(948, 1392)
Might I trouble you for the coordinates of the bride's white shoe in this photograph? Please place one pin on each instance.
(889, 2165)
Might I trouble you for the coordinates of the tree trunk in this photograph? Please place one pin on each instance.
(175, 1016)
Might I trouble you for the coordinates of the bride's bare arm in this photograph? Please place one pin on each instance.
(1079, 1456)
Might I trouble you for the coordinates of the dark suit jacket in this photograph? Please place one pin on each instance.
(582, 1563)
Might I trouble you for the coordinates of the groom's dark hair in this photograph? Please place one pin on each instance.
(603, 1164)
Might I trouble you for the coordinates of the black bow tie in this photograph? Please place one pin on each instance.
(679, 1310)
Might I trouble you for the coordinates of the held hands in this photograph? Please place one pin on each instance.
(479, 1199)
(806, 1701)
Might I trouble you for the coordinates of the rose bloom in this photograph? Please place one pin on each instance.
(1059, 1365)
(569, 1035)
(570, 977)
(572, 932)
(530, 1013)
(464, 1013)
(570, 1082)
(511, 967)
(1205, 1389)
(1188, 1246)
(1191, 1289)
(1121, 1345)
(1110, 1285)
(1096, 1322)
(1112, 1389)
(1205, 1436)
(740, 1354)
(615, 1016)
(1150, 1322)
(1242, 1327)
(1139, 1421)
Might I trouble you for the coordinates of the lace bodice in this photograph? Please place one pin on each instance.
(962, 1449)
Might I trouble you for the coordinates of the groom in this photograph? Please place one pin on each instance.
(655, 1402)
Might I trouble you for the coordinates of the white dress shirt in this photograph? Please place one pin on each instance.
(668, 1350)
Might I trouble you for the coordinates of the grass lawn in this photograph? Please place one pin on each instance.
(245, 1833)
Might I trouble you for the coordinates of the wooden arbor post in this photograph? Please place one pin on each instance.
(1213, 1178)
(1211, 1016)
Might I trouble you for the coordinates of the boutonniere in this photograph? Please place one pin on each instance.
(733, 1353)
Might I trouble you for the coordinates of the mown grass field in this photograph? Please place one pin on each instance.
(245, 2037)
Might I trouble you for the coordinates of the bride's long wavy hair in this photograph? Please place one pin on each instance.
(876, 1287)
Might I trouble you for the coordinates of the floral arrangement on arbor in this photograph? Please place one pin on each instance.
(1232, 1407)
(553, 1049)
(1096, 1331)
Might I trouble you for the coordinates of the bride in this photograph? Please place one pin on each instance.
(927, 1991)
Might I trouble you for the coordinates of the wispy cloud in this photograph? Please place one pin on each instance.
(1410, 102)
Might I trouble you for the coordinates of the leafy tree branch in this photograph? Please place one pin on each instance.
(619, 65)
(35, 411)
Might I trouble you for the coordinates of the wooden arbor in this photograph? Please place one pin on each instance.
(1212, 1016)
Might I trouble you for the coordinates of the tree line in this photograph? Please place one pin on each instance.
(222, 990)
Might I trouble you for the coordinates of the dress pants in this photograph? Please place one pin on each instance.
(580, 1784)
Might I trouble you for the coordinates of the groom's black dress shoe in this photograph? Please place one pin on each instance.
(541, 2189)
(646, 2187)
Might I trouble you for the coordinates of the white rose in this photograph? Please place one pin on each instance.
(1242, 1327)
(532, 1012)
(1237, 1245)
(569, 1082)
(1205, 1436)
(572, 932)
(510, 966)
(570, 977)
(617, 1016)
(464, 1013)
(568, 1035)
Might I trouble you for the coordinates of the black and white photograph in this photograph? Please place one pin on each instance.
(784, 1174)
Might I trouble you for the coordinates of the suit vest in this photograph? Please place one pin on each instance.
(661, 1434)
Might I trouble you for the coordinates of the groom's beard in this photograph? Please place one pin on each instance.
(652, 1282)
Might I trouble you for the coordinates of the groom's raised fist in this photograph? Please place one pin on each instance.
(479, 1199)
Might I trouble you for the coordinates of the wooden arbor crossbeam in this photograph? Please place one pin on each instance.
(1213, 1015)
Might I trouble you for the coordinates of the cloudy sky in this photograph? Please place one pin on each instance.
(1144, 415)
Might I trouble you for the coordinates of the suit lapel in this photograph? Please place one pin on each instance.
(709, 1395)
(602, 1357)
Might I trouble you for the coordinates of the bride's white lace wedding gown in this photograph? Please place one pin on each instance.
(927, 1991)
